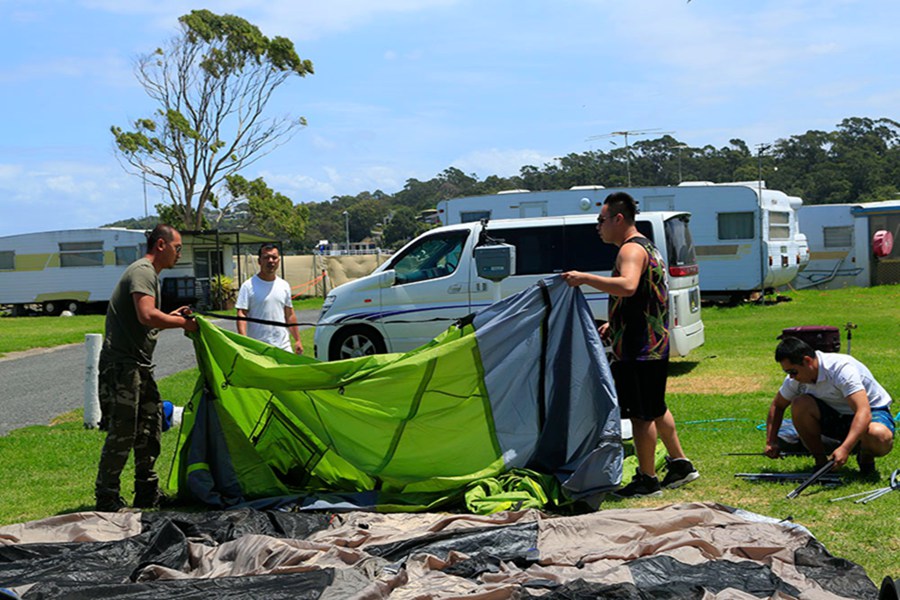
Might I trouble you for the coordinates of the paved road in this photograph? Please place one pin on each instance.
(37, 386)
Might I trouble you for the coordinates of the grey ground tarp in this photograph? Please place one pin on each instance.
(701, 551)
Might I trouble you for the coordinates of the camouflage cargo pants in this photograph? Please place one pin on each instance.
(132, 416)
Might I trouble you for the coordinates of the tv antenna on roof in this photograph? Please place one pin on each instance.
(625, 134)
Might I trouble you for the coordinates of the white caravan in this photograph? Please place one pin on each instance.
(64, 270)
(840, 245)
(746, 236)
(432, 281)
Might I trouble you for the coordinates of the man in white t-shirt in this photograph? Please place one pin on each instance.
(267, 297)
(834, 395)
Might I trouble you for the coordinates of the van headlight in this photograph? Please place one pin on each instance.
(329, 302)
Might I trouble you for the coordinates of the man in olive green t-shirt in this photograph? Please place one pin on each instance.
(129, 400)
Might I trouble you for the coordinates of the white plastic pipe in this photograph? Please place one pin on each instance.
(92, 344)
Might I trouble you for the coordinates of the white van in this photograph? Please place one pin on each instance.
(432, 281)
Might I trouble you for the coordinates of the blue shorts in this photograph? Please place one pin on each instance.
(837, 425)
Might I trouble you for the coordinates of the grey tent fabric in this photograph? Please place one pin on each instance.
(544, 343)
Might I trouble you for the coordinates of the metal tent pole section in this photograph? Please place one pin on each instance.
(815, 477)
(866, 497)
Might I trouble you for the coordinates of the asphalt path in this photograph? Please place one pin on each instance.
(36, 386)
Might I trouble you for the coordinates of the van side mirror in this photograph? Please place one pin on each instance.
(387, 278)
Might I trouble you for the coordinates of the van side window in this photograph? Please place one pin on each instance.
(432, 257)
(585, 251)
(538, 249)
(735, 226)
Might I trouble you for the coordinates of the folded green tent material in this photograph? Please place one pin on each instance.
(522, 384)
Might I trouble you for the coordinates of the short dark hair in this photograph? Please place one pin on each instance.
(265, 247)
(160, 232)
(621, 203)
(793, 349)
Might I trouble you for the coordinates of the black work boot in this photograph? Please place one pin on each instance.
(107, 503)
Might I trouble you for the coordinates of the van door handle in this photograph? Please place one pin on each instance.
(455, 288)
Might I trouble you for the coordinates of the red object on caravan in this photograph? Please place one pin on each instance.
(882, 243)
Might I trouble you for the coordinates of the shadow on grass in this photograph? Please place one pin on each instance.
(682, 367)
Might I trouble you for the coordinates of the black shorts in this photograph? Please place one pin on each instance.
(837, 425)
(641, 388)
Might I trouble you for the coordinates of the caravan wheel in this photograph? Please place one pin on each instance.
(72, 306)
(52, 308)
(354, 341)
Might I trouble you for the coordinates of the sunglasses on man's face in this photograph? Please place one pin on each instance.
(791, 372)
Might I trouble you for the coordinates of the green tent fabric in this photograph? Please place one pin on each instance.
(521, 384)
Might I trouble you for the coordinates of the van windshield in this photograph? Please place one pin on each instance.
(679, 244)
(431, 257)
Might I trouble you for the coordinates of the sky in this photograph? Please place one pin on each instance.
(404, 89)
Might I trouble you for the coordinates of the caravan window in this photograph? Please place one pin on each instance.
(431, 257)
(473, 216)
(7, 260)
(779, 226)
(736, 226)
(125, 255)
(838, 237)
(81, 254)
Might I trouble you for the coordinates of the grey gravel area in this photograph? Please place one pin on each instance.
(38, 385)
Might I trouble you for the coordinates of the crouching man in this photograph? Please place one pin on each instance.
(834, 395)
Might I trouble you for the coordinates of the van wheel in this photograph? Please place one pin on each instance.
(355, 341)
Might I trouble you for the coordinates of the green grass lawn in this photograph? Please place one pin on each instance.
(719, 395)
(26, 333)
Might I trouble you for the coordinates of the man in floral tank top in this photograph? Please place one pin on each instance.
(638, 333)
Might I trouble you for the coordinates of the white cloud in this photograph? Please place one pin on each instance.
(504, 163)
(65, 195)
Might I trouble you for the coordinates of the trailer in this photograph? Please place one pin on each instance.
(746, 236)
(840, 245)
(65, 270)
(77, 269)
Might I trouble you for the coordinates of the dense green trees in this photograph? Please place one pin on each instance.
(857, 162)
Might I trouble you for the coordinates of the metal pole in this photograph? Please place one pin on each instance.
(813, 478)
(627, 159)
(763, 244)
(92, 345)
(347, 229)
